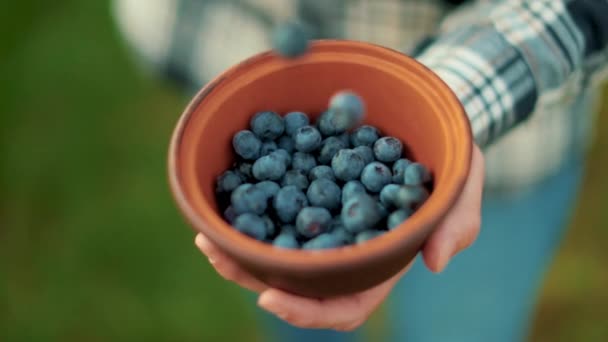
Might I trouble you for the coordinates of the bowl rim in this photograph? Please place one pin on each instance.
(313, 260)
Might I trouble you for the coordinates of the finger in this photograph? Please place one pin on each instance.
(226, 267)
(344, 313)
(460, 227)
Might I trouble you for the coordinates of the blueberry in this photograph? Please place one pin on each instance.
(252, 225)
(352, 189)
(375, 176)
(381, 208)
(388, 149)
(323, 241)
(342, 235)
(328, 124)
(322, 172)
(397, 217)
(416, 174)
(303, 162)
(307, 139)
(229, 214)
(347, 165)
(399, 170)
(312, 221)
(410, 196)
(329, 147)
(270, 227)
(286, 143)
(345, 138)
(267, 125)
(269, 188)
(295, 120)
(247, 145)
(268, 147)
(288, 202)
(366, 153)
(296, 178)
(244, 170)
(248, 199)
(228, 181)
(286, 241)
(288, 229)
(360, 213)
(367, 235)
(324, 193)
(388, 194)
(270, 167)
(284, 156)
(348, 108)
(290, 39)
(364, 136)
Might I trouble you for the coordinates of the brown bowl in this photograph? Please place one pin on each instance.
(403, 99)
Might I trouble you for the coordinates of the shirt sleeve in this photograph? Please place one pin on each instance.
(506, 54)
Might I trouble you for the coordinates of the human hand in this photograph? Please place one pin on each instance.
(456, 232)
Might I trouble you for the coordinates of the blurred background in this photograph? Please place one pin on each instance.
(92, 247)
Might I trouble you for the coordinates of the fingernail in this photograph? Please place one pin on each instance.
(211, 260)
(443, 260)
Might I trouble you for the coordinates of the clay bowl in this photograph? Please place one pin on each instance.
(403, 98)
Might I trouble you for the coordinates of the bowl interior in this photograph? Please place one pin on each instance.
(402, 98)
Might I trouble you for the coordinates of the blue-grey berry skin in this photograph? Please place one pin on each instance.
(366, 153)
(397, 217)
(228, 181)
(295, 178)
(364, 136)
(416, 174)
(267, 125)
(388, 149)
(247, 145)
(288, 229)
(268, 146)
(270, 227)
(329, 147)
(347, 165)
(252, 225)
(244, 170)
(328, 124)
(269, 188)
(312, 221)
(286, 143)
(352, 189)
(248, 198)
(295, 120)
(343, 236)
(270, 167)
(367, 235)
(230, 214)
(388, 194)
(348, 109)
(345, 138)
(410, 196)
(284, 156)
(307, 139)
(288, 202)
(323, 241)
(322, 172)
(324, 193)
(399, 170)
(303, 162)
(287, 241)
(376, 176)
(382, 209)
(290, 39)
(360, 213)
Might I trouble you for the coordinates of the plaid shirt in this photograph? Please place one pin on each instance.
(529, 68)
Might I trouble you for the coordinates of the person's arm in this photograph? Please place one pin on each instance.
(504, 55)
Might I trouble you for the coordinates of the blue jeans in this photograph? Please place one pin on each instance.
(488, 292)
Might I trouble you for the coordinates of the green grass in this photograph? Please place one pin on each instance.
(92, 247)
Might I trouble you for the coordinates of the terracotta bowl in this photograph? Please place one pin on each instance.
(403, 99)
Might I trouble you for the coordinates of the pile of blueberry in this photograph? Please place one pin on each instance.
(298, 185)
